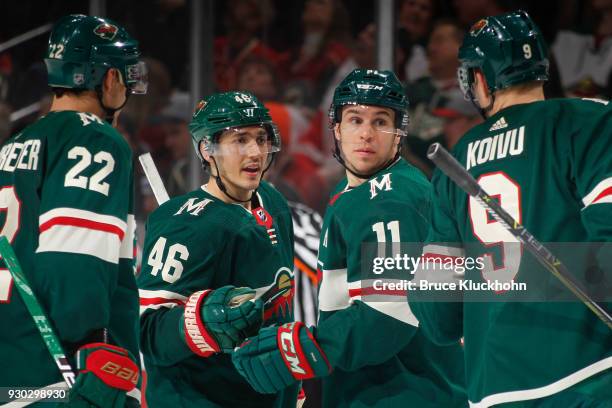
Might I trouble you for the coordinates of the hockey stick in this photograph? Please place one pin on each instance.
(161, 195)
(460, 176)
(155, 181)
(38, 315)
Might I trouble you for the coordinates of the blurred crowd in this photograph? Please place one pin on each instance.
(291, 55)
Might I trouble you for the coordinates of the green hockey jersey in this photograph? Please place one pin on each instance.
(380, 357)
(66, 207)
(549, 163)
(196, 242)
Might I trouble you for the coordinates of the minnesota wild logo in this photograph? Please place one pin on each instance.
(478, 27)
(201, 105)
(106, 31)
(278, 299)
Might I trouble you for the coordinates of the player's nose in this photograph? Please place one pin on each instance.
(367, 132)
(252, 149)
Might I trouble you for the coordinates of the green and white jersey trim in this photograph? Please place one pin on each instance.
(601, 193)
(547, 390)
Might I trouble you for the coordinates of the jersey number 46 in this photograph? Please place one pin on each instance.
(170, 266)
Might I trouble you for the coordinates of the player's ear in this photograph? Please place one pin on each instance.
(204, 152)
(480, 80)
(337, 131)
(112, 80)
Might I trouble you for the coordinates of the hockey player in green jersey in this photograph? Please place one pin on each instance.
(367, 345)
(203, 253)
(550, 164)
(66, 206)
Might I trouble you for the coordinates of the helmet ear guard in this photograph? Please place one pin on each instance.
(465, 78)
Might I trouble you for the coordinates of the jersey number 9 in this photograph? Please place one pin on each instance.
(491, 233)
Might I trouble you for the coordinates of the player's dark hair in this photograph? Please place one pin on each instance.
(525, 86)
(59, 92)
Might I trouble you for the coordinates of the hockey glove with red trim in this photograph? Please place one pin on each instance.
(218, 320)
(279, 356)
(106, 374)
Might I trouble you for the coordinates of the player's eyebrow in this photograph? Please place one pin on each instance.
(353, 110)
(382, 112)
(357, 111)
(254, 133)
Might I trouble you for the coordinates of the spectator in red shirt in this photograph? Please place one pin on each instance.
(245, 20)
(323, 47)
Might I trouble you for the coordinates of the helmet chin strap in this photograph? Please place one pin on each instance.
(483, 111)
(338, 156)
(109, 113)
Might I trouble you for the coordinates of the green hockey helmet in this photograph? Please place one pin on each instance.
(371, 87)
(230, 111)
(509, 50)
(83, 48)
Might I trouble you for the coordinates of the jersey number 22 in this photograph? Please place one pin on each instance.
(9, 204)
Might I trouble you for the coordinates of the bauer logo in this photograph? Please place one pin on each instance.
(124, 373)
(106, 31)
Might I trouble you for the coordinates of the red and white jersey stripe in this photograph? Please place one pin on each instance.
(336, 293)
(84, 232)
(375, 293)
(601, 193)
(154, 299)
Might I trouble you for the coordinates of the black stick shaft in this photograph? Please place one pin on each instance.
(460, 176)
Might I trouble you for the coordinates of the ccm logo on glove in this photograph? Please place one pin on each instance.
(287, 347)
(291, 350)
